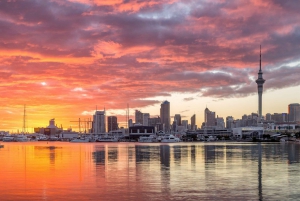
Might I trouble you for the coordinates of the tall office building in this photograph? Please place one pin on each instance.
(130, 123)
(155, 122)
(99, 122)
(268, 117)
(185, 124)
(165, 115)
(220, 122)
(177, 118)
(146, 117)
(210, 117)
(279, 117)
(229, 122)
(193, 122)
(260, 82)
(294, 112)
(138, 117)
(112, 123)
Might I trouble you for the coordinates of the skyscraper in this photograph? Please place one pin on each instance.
(294, 112)
(193, 122)
(146, 117)
(177, 117)
(209, 117)
(99, 122)
(185, 123)
(165, 115)
(112, 123)
(229, 122)
(260, 82)
(138, 117)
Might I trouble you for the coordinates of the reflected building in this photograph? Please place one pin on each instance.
(112, 154)
(177, 153)
(142, 154)
(99, 157)
(165, 155)
(193, 154)
(210, 154)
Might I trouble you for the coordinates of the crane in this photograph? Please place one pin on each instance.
(86, 124)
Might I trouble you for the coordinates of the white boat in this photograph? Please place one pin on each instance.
(169, 138)
(147, 139)
(80, 140)
(211, 138)
(21, 138)
(107, 139)
(8, 138)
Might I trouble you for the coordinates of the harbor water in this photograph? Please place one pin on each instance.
(156, 171)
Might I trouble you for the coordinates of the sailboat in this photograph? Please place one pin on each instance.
(22, 137)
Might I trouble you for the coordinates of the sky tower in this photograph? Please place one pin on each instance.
(260, 82)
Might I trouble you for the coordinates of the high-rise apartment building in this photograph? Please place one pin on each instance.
(193, 122)
(112, 123)
(210, 117)
(99, 122)
(185, 124)
(130, 123)
(138, 117)
(229, 122)
(220, 123)
(279, 117)
(294, 112)
(146, 117)
(268, 117)
(165, 115)
(155, 122)
(177, 118)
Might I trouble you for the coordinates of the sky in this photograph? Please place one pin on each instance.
(64, 59)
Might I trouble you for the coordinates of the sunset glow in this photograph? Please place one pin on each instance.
(62, 59)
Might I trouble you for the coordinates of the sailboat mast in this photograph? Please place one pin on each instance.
(24, 119)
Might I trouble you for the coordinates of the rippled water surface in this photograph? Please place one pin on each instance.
(135, 171)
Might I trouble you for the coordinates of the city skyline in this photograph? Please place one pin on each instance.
(62, 59)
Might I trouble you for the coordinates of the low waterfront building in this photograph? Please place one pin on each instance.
(136, 131)
(283, 126)
(210, 131)
(248, 132)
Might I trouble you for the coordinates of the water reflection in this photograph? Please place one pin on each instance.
(133, 171)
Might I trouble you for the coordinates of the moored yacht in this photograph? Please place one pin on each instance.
(21, 138)
(107, 138)
(169, 138)
(148, 139)
(80, 140)
(8, 138)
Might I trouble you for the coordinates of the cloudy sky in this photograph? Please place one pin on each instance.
(64, 58)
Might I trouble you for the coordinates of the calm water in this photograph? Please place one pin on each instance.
(135, 171)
